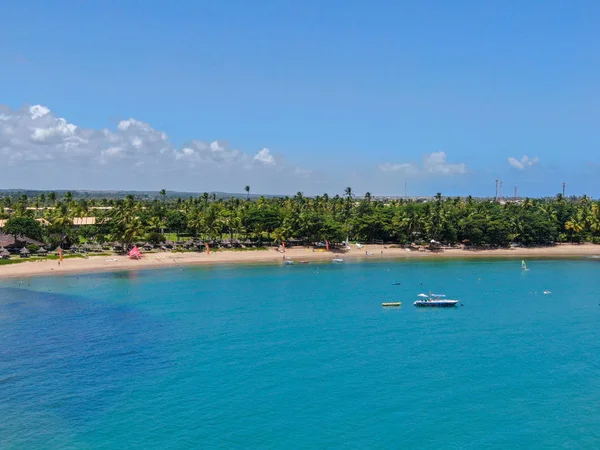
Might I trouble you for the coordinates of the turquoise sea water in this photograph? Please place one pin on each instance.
(303, 357)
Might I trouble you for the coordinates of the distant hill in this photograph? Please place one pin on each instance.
(150, 195)
(145, 195)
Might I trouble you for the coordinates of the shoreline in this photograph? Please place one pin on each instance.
(95, 264)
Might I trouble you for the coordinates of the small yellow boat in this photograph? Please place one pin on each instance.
(391, 304)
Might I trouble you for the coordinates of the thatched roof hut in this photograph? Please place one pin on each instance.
(42, 251)
(25, 253)
(11, 244)
(4, 253)
(147, 246)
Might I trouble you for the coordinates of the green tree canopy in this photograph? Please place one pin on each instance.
(23, 226)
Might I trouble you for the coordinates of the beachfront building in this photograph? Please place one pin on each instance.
(83, 221)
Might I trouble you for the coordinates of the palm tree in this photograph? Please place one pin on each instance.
(134, 230)
(195, 221)
(81, 209)
(163, 194)
(575, 225)
(213, 221)
(247, 189)
(62, 219)
(348, 193)
(156, 223)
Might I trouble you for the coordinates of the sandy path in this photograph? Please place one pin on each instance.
(158, 260)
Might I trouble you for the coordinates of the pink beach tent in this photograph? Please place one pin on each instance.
(135, 253)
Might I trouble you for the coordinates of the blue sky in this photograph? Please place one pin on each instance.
(364, 94)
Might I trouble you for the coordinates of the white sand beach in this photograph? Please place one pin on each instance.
(168, 259)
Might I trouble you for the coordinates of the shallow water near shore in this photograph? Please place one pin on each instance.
(303, 356)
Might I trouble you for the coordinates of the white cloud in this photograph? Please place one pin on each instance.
(433, 163)
(436, 163)
(524, 162)
(33, 139)
(264, 156)
(62, 129)
(38, 111)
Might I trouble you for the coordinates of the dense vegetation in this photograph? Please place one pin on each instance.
(447, 220)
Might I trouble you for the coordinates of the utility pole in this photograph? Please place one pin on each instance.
(496, 190)
(564, 185)
(500, 190)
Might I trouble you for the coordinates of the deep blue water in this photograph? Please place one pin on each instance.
(303, 357)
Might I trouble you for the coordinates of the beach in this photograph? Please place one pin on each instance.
(173, 259)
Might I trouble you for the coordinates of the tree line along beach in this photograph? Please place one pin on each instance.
(96, 234)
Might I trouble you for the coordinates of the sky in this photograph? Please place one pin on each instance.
(308, 96)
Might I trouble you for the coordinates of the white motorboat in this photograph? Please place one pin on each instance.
(337, 260)
(435, 301)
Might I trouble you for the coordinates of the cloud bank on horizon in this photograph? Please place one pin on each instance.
(134, 155)
(51, 152)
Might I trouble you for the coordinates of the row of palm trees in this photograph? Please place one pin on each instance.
(310, 219)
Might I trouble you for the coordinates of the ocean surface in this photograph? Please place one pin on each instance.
(304, 357)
